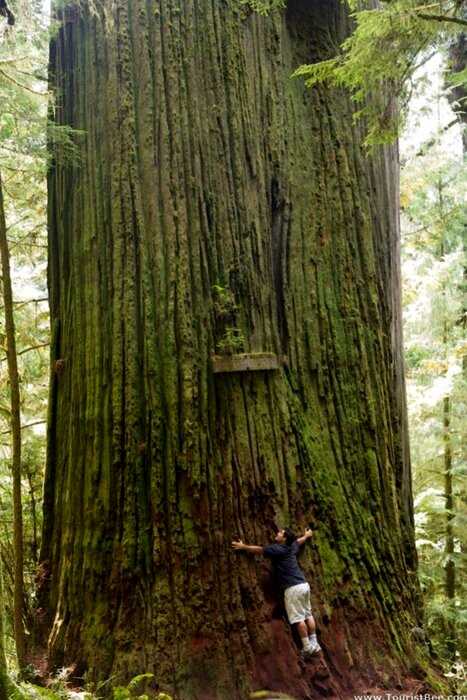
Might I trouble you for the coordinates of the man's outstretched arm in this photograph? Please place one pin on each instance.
(306, 536)
(252, 548)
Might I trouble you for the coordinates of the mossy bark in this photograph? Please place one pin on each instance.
(204, 167)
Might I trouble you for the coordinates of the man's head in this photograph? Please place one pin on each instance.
(285, 536)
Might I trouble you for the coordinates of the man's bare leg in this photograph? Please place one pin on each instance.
(311, 626)
(302, 630)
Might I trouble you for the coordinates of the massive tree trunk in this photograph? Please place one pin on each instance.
(216, 201)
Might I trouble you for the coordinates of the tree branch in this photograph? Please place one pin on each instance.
(23, 352)
(20, 85)
(441, 18)
(34, 347)
(19, 304)
(23, 427)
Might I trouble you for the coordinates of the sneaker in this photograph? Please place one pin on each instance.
(308, 654)
(314, 643)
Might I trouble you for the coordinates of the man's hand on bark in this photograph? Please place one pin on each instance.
(306, 536)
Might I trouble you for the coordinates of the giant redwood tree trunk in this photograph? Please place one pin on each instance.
(214, 197)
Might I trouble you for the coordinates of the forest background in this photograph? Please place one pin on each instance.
(433, 214)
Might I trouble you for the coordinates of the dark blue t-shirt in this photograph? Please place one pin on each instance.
(284, 564)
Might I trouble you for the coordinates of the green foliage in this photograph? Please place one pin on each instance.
(377, 63)
(434, 212)
(232, 341)
(231, 338)
(58, 689)
(27, 691)
(132, 690)
(23, 163)
(224, 302)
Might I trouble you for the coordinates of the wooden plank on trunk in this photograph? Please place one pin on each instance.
(246, 362)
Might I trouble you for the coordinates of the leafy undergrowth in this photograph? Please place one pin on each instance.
(142, 687)
(59, 689)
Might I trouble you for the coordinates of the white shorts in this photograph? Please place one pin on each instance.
(297, 602)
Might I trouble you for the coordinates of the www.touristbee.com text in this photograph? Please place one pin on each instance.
(422, 696)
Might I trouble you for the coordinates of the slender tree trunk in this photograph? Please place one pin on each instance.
(216, 196)
(35, 542)
(458, 99)
(13, 379)
(450, 568)
(3, 666)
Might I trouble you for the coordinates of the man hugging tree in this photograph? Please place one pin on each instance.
(291, 580)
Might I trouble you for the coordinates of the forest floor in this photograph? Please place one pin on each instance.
(320, 680)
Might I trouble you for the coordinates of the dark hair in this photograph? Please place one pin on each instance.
(289, 536)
